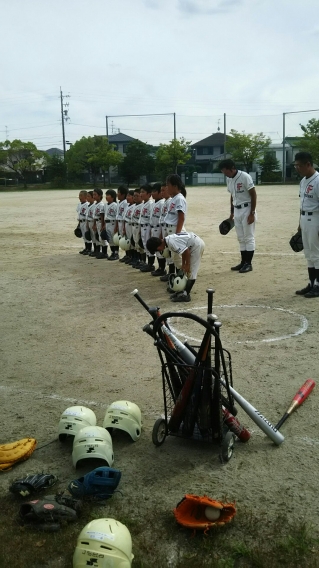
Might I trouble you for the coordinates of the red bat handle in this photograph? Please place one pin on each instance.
(304, 391)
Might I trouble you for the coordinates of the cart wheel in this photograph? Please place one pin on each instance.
(159, 432)
(227, 448)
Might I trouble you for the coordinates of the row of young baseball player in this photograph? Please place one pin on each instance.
(151, 220)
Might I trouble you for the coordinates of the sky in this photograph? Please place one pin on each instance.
(245, 61)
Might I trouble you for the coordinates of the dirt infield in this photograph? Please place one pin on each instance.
(71, 333)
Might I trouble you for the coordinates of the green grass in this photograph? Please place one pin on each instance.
(250, 541)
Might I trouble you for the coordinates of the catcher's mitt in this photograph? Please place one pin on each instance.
(104, 235)
(78, 232)
(47, 514)
(87, 235)
(32, 483)
(99, 483)
(191, 512)
(296, 242)
(226, 226)
(16, 452)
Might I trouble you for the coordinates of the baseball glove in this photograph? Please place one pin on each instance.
(226, 226)
(296, 242)
(78, 232)
(32, 483)
(99, 483)
(191, 512)
(47, 514)
(16, 452)
(87, 235)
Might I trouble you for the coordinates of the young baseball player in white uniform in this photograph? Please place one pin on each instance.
(309, 220)
(98, 222)
(145, 217)
(191, 248)
(110, 214)
(136, 229)
(176, 213)
(122, 205)
(89, 220)
(167, 199)
(156, 229)
(81, 217)
(128, 228)
(243, 199)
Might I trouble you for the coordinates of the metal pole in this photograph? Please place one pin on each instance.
(62, 117)
(174, 126)
(225, 139)
(283, 148)
(107, 127)
(107, 135)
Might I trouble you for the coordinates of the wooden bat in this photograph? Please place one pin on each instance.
(297, 400)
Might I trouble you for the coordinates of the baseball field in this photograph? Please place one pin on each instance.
(71, 333)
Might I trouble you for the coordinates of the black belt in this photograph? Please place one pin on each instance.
(155, 226)
(306, 212)
(109, 221)
(242, 205)
(144, 224)
(82, 220)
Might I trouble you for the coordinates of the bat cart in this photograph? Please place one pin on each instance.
(196, 381)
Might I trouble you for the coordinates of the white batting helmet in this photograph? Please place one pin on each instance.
(165, 252)
(178, 281)
(73, 419)
(126, 416)
(93, 442)
(124, 243)
(116, 239)
(104, 543)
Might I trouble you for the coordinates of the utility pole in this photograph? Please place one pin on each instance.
(64, 117)
(7, 133)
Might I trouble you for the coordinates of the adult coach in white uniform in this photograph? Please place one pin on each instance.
(243, 199)
(309, 220)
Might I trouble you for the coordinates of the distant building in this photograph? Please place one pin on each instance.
(120, 141)
(55, 152)
(209, 152)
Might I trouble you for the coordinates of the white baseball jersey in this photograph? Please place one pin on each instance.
(239, 187)
(129, 213)
(99, 210)
(309, 193)
(81, 211)
(90, 212)
(110, 211)
(136, 213)
(156, 213)
(146, 212)
(164, 210)
(122, 206)
(180, 242)
(178, 203)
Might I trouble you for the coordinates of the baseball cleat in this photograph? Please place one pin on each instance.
(147, 268)
(237, 267)
(164, 278)
(245, 268)
(313, 293)
(304, 291)
(158, 272)
(181, 297)
(82, 251)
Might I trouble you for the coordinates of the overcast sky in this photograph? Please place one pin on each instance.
(250, 59)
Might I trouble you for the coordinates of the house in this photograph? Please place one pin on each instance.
(120, 141)
(209, 152)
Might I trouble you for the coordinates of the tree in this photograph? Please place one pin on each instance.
(247, 148)
(57, 170)
(94, 154)
(22, 158)
(270, 167)
(310, 140)
(171, 155)
(137, 161)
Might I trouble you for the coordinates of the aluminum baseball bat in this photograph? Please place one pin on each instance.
(262, 422)
(297, 400)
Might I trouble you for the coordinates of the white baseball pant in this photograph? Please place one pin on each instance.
(197, 252)
(309, 225)
(145, 235)
(245, 232)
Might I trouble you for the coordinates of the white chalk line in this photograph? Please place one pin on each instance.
(303, 327)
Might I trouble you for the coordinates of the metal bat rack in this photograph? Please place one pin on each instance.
(195, 399)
